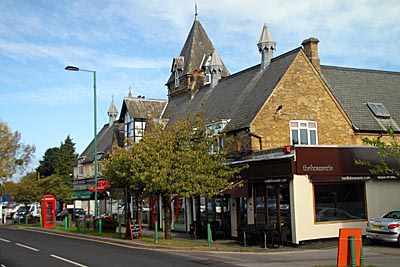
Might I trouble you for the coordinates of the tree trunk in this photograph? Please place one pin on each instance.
(167, 216)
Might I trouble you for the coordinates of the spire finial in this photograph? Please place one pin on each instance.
(195, 10)
(130, 91)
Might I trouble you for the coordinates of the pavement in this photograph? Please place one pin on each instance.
(184, 242)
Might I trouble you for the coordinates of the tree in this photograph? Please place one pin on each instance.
(49, 162)
(32, 187)
(14, 155)
(66, 158)
(387, 152)
(59, 160)
(173, 160)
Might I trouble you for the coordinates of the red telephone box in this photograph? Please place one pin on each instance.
(48, 211)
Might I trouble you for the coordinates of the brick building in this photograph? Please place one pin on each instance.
(281, 112)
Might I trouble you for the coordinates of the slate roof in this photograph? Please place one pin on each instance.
(238, 97)
(142, 107)
(353, 88)
(104, 142)
(196, 46)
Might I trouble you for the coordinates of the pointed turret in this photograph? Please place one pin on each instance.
(190, 68)
(215, 68)
(112, 113)
(266, 46)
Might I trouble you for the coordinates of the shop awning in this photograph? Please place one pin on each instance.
(237, 189)
(81, 195)
(101, 186)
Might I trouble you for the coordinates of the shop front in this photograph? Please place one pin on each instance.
(263, 203)
(311, 192)
(331, 191)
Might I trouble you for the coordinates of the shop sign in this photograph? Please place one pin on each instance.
(387, 177)
(274, 181)
(339, 162)
(356, 178)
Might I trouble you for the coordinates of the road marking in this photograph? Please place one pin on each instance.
(5, 240)
(24, 246)
(69, 261)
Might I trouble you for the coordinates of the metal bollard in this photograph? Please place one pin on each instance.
(100, 226)
(156, 233)
(208, 235)
(352, 251)
(361, 254)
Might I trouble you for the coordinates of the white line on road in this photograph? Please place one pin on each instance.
(72, 262)
(24, 246)
(5, 240)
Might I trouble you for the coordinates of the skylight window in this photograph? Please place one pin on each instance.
(379, 110)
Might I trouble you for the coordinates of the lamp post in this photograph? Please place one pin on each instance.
(72, 68)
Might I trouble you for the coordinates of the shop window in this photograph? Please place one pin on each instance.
(303, 132)
(339, 202)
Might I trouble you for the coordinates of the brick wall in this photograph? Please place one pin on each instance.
(303, 96)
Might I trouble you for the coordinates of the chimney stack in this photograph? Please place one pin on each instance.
(310, 46)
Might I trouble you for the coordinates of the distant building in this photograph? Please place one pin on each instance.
(135, 112)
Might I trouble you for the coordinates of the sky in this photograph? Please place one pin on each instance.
(131, 43)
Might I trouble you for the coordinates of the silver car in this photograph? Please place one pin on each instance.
(385, 228)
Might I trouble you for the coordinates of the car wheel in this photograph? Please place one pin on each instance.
(374, 241)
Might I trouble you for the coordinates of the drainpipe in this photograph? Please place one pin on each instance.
(258, 137)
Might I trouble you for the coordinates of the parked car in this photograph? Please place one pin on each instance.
(64, 213)
(11, 210)
(21, 213)
(34, 211)
(385, 228)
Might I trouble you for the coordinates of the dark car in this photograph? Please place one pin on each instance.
(64, 213)
(21, 213)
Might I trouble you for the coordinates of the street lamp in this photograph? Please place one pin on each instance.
(72, 68)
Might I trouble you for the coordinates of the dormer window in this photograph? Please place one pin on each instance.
(177, 82)
(80, 166)
(303, 132)
(379, 110)
(214, 129)
(177, 68)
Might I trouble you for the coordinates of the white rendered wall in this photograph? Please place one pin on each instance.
(382, 196)
(302, 211)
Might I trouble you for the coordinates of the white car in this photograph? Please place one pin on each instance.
(10, 211)
(385, 228)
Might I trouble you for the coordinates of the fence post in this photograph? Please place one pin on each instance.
(66, 223)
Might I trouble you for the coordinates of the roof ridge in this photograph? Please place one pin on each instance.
(359, 69)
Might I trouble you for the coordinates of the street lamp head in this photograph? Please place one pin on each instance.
(72, 68)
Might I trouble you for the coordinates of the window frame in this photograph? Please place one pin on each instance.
(379, 110)
(334, 201)
(304, 126)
